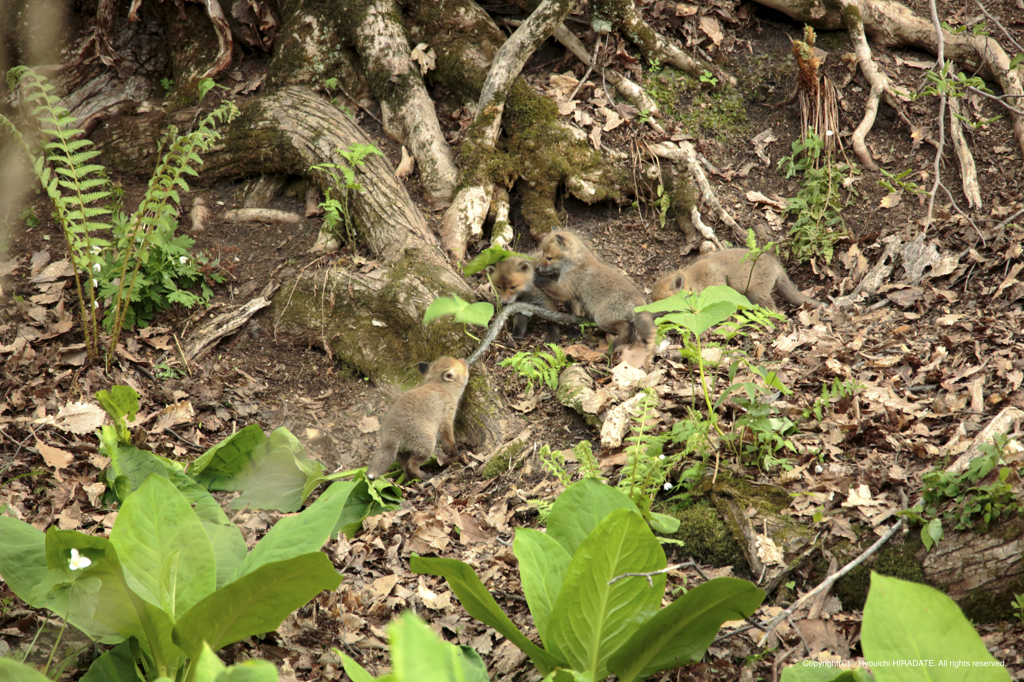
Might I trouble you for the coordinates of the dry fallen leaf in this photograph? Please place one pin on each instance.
(54, 457)
(172, 415)
(369, 425)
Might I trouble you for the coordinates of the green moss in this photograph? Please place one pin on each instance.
(498, 464)
(707, 537)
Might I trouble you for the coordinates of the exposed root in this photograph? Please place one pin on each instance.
(408, 112)
(468, 211)
(968, 171)
(819, 106)
(623, 15)
(625, 87)
(687, 155)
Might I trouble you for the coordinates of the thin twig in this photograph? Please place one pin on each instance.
(828, 582)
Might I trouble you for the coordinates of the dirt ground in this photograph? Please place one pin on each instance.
(941, 356)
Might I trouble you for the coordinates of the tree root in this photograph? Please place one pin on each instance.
(687, 155)
(408, 112)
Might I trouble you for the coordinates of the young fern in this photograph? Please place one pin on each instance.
(180, 160)
(79, 191)
(75, 186)
(541, 366)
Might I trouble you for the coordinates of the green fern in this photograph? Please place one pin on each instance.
(79, 190)
(540, 366)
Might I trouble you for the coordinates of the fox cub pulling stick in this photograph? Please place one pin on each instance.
(728, 268)
(416, 419)
(599, 291)
(513, 278)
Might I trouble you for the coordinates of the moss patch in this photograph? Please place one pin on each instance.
(498, 464)
(707, 537)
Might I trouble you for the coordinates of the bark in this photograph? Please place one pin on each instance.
(466, 216)
(288, 132)
(408, 112)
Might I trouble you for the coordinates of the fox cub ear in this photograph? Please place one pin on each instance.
(490, 269)
(423, 367)
(449, 375)
(524, 266)
(677, 283)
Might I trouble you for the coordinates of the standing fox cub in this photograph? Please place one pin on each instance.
(513, 278)
(599, 291)
(727, 268)
(418, 416)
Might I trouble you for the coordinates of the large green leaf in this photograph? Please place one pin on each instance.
(257, 602)
(592, 619)
(366, 499)
(12, 671)
(209, 668)
(578, 510)
(163, 548)
(303, 533)
(699, 313)
(904, 620)
(116, 608)
(682, 632)
(22, 557)
(228, 549)
(479, 603)
(542, 567)
(417, 655)
(810, 670)
(281, 476)
(219, 468)
(116, 665)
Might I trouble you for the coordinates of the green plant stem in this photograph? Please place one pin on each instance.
(53, 649)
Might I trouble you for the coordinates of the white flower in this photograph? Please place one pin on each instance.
(97, 267)
(78, 562)
(661, 457)
(95, 283)
(668, 486)
(183, 260)
(828, 133)
(818, 469)
(95, 248)
(96, 305)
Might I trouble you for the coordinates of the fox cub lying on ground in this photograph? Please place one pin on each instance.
(727, 268)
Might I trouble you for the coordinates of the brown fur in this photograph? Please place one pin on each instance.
(419, 416)
(727, 268)
(513, 278)
(594, 289)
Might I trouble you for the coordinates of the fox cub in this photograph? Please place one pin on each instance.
(416, 419)
(513, 278)
(595, 289)
(727, 268)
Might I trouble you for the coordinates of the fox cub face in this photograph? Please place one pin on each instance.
(447, 370)
(512, 278)
(557, 250)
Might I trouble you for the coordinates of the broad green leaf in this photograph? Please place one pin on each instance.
(682, 632)
(12, 671)
(207, 666)
(258, 602)
(117, 608)
(22, 557)
(479, 603)
(418, 655)
(362, 502)
(592, 619)
(116, 665)
(563, 675)
(442, 306)
(810, 670)
(228, 548)
(219, 467)
(122, 404)
(542, 567)
(165, 552)
(489, 256)
(281, 477)
(904, 620)
(578, 510)
(301, 534)
(355, 672)
(478, 314)
(699, 313)
(664, 524)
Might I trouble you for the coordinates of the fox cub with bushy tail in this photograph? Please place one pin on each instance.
(419, 416)
(513, 278)
(599, 291)
(728, 268)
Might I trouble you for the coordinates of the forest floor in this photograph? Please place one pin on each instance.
(937, 355)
